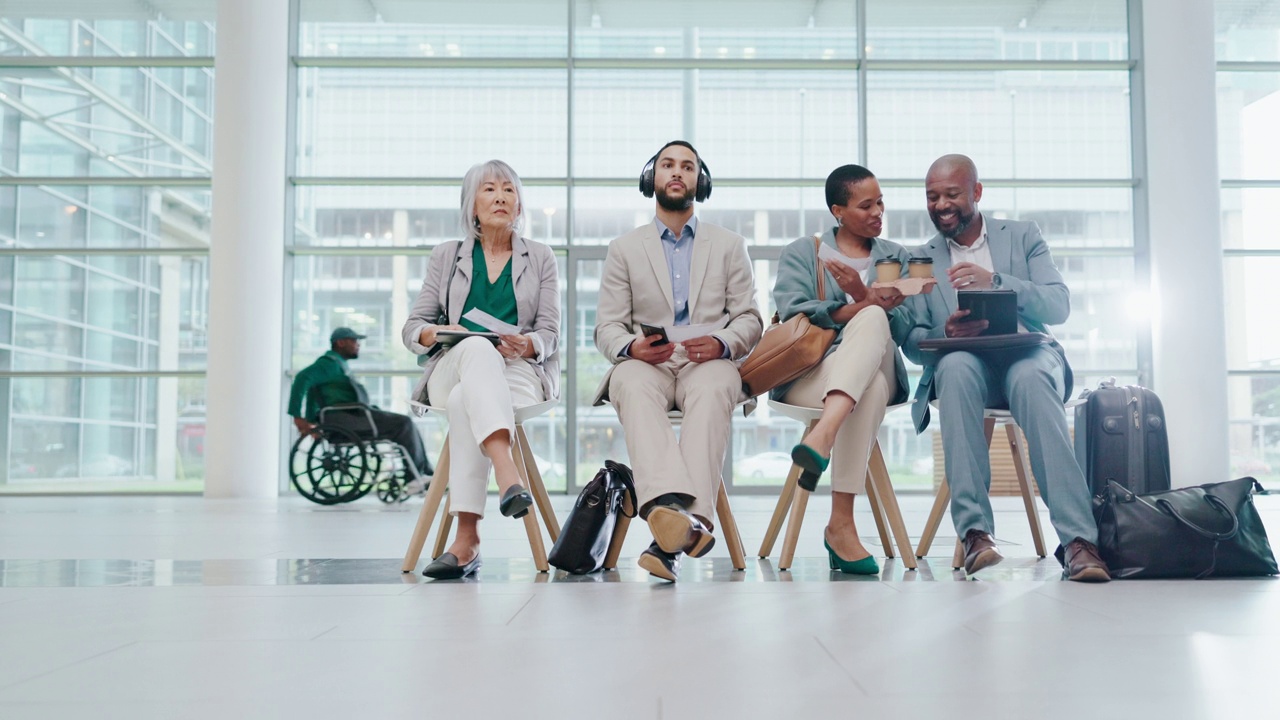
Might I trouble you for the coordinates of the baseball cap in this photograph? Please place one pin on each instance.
(345, 333)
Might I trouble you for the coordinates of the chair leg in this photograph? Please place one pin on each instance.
(879, 473)
(729, 530)
(784, 504)
(940, 502)
(537, 487)
(957, 560)
(428, 513)
(615, 542)
(1028, 497)
(794, 523)
(877, 513)
(531, 519)
(780, 512)
(446, 524)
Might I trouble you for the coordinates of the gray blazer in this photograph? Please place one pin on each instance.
(537, 288)
(636, 288)
(795, 291)
(1021, 257)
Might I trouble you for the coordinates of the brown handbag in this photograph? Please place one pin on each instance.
(788, 349)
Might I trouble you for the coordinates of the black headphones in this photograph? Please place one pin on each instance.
(701, 193)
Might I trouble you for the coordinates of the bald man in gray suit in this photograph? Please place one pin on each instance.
(982, 253)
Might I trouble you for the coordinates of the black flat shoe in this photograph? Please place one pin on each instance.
(515, 502)
(446, 567)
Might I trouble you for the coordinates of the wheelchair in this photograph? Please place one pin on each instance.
(334, 465)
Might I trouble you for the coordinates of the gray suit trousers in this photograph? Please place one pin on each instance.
(1030, 384)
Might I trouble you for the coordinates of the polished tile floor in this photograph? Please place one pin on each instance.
(185, 608)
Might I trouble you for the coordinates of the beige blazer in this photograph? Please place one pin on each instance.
(536, 283)
(636, 288)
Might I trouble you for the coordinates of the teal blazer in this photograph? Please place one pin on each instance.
(795, 291)
(1021, 257)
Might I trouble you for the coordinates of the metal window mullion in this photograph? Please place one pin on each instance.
(570, 392)
(290, 206)
(864, 142)
(1145, 349)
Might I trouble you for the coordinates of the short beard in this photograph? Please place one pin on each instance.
(961, 225)
(678, 203)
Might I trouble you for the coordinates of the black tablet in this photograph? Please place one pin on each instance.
(449, 338)
(998, 307)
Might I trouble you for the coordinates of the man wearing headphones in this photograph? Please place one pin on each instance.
(676, 271)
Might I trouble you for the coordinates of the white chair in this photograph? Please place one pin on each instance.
(990, 417)
(880, 496)
(728, 525)
(523, 456)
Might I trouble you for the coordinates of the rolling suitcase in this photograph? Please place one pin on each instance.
(1121, 437)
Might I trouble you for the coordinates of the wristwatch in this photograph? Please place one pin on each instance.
(995, 281)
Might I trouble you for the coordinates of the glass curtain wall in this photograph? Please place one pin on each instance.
(105, 130)
(396, 100)
(1248, 52)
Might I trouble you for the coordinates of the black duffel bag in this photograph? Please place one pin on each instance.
(584, 539)
(1193, 532)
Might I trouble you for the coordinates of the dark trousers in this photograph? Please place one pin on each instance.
(390, 426)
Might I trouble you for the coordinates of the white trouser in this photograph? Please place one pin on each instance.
(862, 367)
(480, 390)
(706, 393)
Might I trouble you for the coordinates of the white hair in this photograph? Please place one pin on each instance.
(494, 170)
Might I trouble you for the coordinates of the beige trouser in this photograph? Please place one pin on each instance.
(480, 389)
(862, 367)
(706, 393)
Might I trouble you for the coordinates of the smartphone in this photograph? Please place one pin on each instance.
(650, 330)
(998, 307)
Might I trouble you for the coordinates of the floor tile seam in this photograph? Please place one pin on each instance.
(848, 673)
(1063, 601)
(65, 666)
(523, 605)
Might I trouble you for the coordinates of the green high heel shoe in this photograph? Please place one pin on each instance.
(811, 463)
(865, 566)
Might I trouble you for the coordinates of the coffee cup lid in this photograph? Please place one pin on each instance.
(887, 261)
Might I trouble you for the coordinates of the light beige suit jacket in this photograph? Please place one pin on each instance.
(636, 288)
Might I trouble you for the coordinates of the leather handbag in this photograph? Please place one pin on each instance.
(788, 349)
(584, 539)
(1204, 531)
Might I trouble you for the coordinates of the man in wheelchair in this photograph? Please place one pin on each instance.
(328, 383)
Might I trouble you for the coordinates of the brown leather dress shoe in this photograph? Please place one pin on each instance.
(980, 551)
(676, 531)
(1082, 563)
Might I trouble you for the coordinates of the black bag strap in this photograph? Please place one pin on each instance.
(1217, 503)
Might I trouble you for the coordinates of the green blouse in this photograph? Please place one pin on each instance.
(498, 298)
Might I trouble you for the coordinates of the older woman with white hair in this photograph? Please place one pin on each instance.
(494, 270)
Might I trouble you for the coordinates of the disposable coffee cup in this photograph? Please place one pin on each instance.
(920, 267)
(888, 270)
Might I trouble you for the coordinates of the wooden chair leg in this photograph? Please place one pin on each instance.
(877, 513)
(789, 541)
(729, 530)
(940, 502)
(780, 512)
(446, 524)
(531, 519)
(879, 477)
(957, 560)
(429, 507)
(615, 542)
(537, 487)
(1028, 497)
